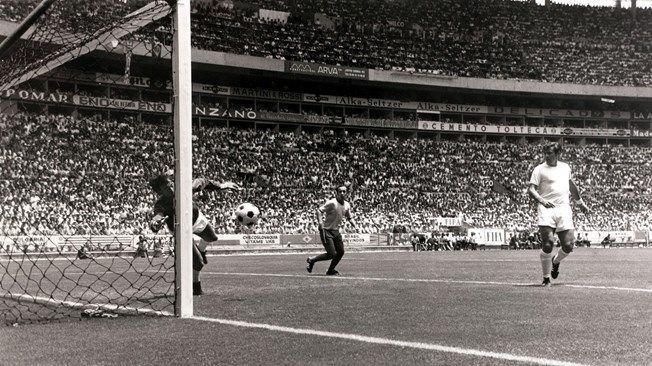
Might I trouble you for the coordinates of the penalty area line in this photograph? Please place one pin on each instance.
(391, 342)
(423, 280)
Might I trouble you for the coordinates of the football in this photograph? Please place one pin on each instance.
(247, 214)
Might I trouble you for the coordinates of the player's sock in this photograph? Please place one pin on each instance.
(560, 256)
(546, 263)
(203, 256)
(196, 288)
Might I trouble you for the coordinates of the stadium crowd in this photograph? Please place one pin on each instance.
(88, 15)
(501, 39)
(479, 38)
(62, 175)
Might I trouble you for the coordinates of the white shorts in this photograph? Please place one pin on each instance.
(558, 217)
(200, 224)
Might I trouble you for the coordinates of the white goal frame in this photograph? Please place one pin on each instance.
(182, 104)
(182, 89)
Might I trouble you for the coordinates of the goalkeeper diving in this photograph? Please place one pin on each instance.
(164, 215)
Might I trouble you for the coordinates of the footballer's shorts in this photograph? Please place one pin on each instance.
(559, 217)
(332, 241)
(197, 228)
(200, 224)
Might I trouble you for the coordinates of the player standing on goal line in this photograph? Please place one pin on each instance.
(550, 185)
(329, 216)
(164, 214)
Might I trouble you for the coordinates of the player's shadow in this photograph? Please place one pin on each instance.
(323, 275)
(234, 299)
(536, 285)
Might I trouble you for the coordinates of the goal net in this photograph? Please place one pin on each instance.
(80, 137)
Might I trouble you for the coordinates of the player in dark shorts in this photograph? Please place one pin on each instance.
(330, 216)
(164, 214)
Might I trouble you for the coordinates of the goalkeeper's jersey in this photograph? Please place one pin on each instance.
(165, 206)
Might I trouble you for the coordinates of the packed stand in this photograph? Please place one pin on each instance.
(500, 39)
(75, 16)
(486, 38)
(60, 175)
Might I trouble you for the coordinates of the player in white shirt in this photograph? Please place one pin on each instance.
(330, 216)
(551, 185)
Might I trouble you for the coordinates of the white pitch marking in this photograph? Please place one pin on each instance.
(425, 280)
(392, 342)
(469, 282)
(611, 288)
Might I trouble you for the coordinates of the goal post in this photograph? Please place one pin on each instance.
(90, 110)
(182, 74)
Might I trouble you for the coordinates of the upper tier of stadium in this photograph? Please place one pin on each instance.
(496, 39)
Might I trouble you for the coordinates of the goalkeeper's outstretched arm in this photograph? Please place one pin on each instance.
(201, 184)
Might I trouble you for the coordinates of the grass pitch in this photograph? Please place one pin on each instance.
(445, 308)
